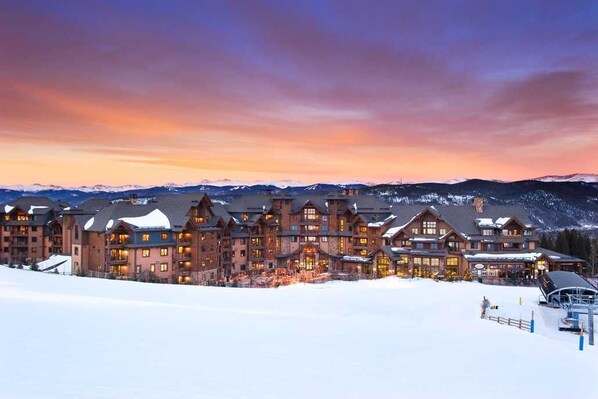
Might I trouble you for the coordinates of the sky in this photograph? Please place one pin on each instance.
(150, 92)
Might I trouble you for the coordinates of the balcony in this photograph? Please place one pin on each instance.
(186, 242)
(116, 260)
(184, 271)
(118, 243)
(20, 243)
(186, 256)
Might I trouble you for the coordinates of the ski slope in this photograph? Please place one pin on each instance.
(72, 337)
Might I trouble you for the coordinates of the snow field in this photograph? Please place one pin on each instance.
(72, 337)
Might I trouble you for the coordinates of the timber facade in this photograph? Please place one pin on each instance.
(194, 239)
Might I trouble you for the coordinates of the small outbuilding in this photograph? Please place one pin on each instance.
(558, 287)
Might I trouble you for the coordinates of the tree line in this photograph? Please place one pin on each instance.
(574, 243)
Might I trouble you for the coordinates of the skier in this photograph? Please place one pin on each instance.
(485, 306)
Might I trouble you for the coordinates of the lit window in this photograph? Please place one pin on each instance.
(152, 268)
(415, 231)
(429, 227)
(164, 236)
(363, 229)
(145, 237)
(145, 253)
(163, 267)
(452, 261)
(163, 251)
(310, 214)
(324, 239)
(442, 231)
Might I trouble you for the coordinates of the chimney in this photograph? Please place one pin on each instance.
(478, 204)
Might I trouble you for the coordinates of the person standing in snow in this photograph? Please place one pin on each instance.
(485, 306)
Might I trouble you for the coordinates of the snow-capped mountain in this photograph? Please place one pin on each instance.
(576, 177)
(552, 202)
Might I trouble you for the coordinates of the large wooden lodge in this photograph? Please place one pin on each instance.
(190, 238)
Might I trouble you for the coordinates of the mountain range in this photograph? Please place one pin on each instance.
(553, 202)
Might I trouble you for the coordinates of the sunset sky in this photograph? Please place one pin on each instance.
(149, 92)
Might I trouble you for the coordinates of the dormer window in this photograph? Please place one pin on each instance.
(309, 214)
(245, 217)
(429, 227)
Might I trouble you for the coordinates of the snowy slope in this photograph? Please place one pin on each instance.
(577, 177)
(71, 337)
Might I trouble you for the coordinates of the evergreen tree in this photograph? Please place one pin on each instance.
(573, 240)
(562, 245)
(544, 241)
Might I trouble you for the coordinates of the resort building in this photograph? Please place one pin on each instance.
(191, 238)
(30, 229)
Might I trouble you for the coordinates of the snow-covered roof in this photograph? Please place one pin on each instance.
(155, 219)
(351, 258)
(32, 208)
(8, 208)
(62, 263)
(89, 223)
(526, 256)
(382, 222)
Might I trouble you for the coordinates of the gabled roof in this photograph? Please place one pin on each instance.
(33, 205)
(251, 204)
(463, 219)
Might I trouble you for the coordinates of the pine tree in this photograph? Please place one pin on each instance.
(562, 245)
(544, 241)
(573, 240)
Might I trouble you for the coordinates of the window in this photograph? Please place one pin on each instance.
(453, 245)
(324, 239)
(324, 218)
(34, 249)
(145, 237)
(163, 251)
(324, 227)
(76, 232)
(33, 239)
(310, 214)
(487, 232)
(138, 269)
(311, 238)
(245, 217)
(33, 228)
(429, 227)
(417, 261)
(442, 231)
(243, 252)
(164, 236)
(293, 227)
(152, 268)
(435, 262)
(163, 267)
(341, 225)
(452, 261)
(363, 252)
(419, 245)
(6, 239)
(415, 231)
(474, 244)
(363, 229)
(76, 250)
(363, 241)
(294, 238)
(527, 233)
(433, 246)
(145, 253)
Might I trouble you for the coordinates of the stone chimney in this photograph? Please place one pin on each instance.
(478, 204)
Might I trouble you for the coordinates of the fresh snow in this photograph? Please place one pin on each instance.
(8, 208)
(89, 223)
(71, 337)
(155, 219)
(576, 177)
(32, 208)
(62, 263)
(109, 224)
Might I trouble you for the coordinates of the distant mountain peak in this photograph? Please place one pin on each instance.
(575, 177)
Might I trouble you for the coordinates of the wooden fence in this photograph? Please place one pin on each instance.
(525, 325)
